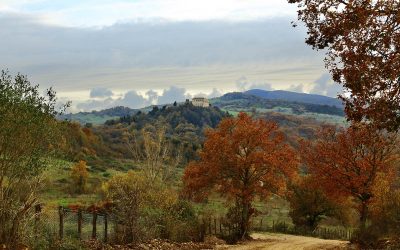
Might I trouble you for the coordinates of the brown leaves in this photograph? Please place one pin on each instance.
(362, 39)
(346, 162)
(241, 158)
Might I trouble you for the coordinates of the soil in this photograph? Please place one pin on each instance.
(287, 242)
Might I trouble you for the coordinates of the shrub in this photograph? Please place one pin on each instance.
(148, 210)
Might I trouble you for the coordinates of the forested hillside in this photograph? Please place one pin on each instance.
(102, 145)
(295, 97)
(241, 102)
(98, 117)
(238, 101)
(322, 108)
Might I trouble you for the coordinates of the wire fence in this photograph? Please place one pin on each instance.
(220, 227)
(337, 233)
(65, 224)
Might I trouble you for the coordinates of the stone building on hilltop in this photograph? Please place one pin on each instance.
(200, 102)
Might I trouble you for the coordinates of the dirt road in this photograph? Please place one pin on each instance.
(287, 242)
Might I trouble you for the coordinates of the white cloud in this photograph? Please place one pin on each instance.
(107, 12)
(100, 92)
(173, 94)
(324, 85)
(214, 93)
(133, 99)
(299, 88)
(243, 84)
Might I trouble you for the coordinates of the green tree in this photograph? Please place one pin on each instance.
(27, 136)
(309, 204)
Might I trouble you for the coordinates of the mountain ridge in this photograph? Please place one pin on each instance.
(295, 97)
(280, 101)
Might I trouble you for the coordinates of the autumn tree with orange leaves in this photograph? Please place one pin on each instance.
(362, 43)
(79, 175)
(347, 162)
(242, 159)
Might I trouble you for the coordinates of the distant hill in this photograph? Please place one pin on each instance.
(237, 102)
(320, 107)
(174, 116)
(99, 117)
(295, 97)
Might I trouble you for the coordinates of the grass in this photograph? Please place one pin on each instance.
(272, 211)
(57, 188)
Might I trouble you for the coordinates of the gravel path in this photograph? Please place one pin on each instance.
(287, 242)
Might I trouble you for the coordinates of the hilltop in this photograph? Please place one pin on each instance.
(244, 102)
(99, 117)
(321, 108)
(295, 97)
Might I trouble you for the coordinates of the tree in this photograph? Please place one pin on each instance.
(137, 204)
(28, 133)
(79, 175)
(309, 204)
(242, 159)
(362, 40)
(153, 149)
(346, 162)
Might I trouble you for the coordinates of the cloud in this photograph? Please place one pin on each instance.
(152, 96)
(214, 93)
(243, 84)
(203, 54)
(299, 88)
(132, 99)
(106, 12)
(324, 85)
(173, 94)
(100, 93)
(90, 105)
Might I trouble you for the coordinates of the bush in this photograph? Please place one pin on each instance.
(281, 226)
(148, 210)
(309, 204)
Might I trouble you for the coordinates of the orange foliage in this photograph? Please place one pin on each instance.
(347, 162)
(79, 175)
(362, 44)
(242, 158)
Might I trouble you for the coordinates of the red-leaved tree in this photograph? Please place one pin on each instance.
(347, 162)
(362, 43)
(242, 159)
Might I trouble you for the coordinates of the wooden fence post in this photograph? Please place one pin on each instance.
(61, 215)
(105, 228)
(261, 224)
(215, 225)
(209, 226)
(80, 224)
(38, 209)
(94, 225)
(220, 225)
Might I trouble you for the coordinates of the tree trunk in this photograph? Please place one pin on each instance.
(363, 215)
(244, 222)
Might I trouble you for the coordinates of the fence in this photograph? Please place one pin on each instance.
(74, 224)
(218, 226)
(339, 233)
(83, 225)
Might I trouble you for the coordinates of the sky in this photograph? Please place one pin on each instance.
(104, 53)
